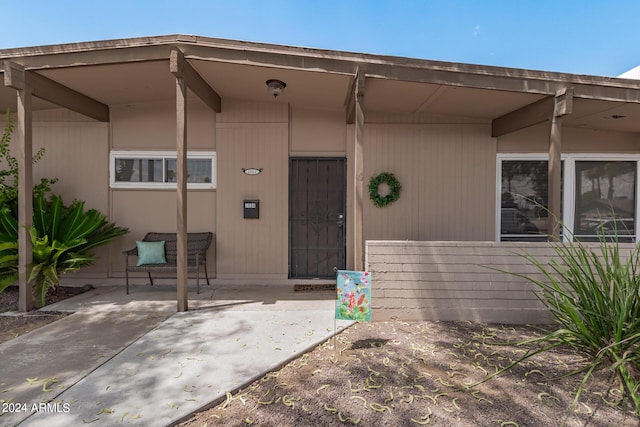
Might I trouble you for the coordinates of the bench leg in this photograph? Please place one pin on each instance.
(206, 275)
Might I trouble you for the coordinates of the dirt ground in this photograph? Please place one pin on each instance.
(15, 324)
(404, 374)
(412, 374)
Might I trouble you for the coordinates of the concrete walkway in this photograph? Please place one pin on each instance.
(132, 360)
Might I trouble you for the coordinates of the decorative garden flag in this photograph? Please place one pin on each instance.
(354, 296)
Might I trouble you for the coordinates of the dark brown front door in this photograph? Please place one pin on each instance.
(317, 199)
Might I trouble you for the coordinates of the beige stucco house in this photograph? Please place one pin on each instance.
(470, 145)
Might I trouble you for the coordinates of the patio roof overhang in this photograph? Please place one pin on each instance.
(100, 75)
(124, 71)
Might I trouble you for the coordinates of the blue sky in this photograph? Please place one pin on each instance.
(596, 37)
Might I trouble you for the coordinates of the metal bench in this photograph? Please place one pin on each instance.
(197, 245)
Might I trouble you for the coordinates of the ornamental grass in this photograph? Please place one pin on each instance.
(592, 291)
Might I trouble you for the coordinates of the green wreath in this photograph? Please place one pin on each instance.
(394, 186)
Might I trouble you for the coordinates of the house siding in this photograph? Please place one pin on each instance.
(152, 126)
(447, 173)
(252, 135)
(76, 153)
(252, 247)
(535, 139)
(456, 281)
(446, 165)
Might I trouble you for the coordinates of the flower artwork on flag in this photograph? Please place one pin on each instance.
(354, 296)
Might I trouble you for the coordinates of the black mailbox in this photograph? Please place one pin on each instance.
(252, 209)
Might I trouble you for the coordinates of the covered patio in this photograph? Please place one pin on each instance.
(95, 79)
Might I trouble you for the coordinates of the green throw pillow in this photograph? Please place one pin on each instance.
(150, 252)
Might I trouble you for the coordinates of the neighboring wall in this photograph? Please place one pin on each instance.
(453, 281)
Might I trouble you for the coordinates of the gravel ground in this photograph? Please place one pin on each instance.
(412, 374)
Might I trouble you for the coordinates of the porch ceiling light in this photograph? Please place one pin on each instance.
(275, 87)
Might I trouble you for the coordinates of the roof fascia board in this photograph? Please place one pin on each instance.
(94, 58)
(384, 67)
(352, 57)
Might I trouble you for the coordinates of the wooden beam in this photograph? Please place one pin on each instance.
(49, 90)
(181, 192)
(535, 113)
(358, 191)
(14, 75)
(350, 103)
(529, 115)
(563, 105)
(563, 102)
(182, 69)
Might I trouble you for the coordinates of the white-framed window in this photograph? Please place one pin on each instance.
(157, 169)
(599, 196)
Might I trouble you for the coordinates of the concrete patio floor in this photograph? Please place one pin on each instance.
(132, 360)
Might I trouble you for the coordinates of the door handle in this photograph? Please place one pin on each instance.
(340, 221)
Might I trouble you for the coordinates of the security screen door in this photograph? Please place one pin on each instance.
(317, 217)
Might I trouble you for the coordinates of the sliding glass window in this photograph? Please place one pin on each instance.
(605, 200)
(524, 200)
(154, 169)
(599, 197)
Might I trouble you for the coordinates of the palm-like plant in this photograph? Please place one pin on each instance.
(8, 248)
(62, 239)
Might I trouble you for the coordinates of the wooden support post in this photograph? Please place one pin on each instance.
(358, 190)
(15, 77)
(181, 165)
(555, 150)
(563, 105)
(25, 197)
(186, 77)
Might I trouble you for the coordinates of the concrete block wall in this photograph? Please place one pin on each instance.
(454, 281)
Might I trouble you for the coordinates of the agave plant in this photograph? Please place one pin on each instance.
(62, 239)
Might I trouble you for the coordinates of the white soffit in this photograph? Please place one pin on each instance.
(396, 96)
(605, 115)
(410, 97)
(304, 88)
(115, 84)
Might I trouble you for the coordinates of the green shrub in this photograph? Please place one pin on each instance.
(62, 238)
(593, 293)
(9, 172)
